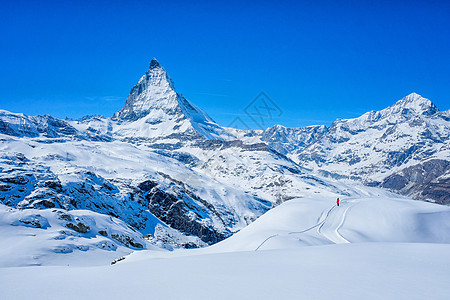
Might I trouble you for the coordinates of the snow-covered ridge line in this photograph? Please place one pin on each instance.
(375, 146)
(153, 101)
(164, 167)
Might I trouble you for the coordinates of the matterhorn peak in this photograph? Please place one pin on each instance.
(154, 64)
(153, 108)
(155, 90)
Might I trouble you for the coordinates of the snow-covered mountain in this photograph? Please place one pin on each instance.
(165, 168)
(160, 164)
(379, 148)
(154, 110)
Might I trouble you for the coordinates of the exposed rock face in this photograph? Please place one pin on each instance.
(429, 180)
(186, 216)
(36, 221)
(79, 227)
(27, 184)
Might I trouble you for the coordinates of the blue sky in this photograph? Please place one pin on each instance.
(316, 60)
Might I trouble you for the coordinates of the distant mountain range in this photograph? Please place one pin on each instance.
(404, 148)
(164, 167)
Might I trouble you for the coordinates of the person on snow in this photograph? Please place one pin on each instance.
(337, 202)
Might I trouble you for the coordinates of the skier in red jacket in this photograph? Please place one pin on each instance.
(337, 201)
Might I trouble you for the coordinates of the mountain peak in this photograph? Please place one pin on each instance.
(414, 104)
(154, 90)
(414, 94)
(160, 110)
(413, 97)
(154, 64)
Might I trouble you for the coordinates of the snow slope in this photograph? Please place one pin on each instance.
(318, 221)
(362, 271)
(48, 237)
(368, 248)
(111, 178)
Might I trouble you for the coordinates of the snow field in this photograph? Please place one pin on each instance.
(367, 248)
(346, 271)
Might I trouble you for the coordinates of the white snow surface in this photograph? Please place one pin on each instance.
(318, 221)
(33, 237)
(367, 248)
(375, 245)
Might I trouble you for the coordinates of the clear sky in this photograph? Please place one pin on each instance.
(317, 60)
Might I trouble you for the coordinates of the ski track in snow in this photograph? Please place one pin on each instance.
(331, 232)
(272, 236)
(342, 223)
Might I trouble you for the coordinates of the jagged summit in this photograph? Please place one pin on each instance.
(154, 64)
(413, 98)
(154, 90)
(154, 109)
(409, 107)
(413, 104)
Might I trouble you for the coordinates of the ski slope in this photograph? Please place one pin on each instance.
(318, 221)
(367, 248)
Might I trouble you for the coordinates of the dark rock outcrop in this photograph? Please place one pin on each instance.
(422, 181)
(183, 213)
